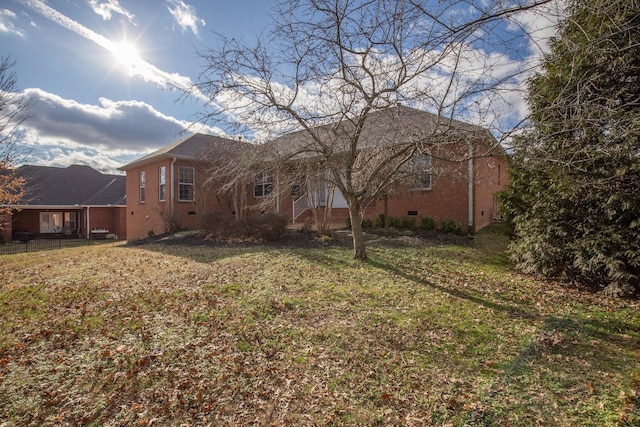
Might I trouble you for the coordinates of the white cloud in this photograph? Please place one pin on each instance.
(185, 16)
(6, 24)
(540, 24)
(55, 155)
(118, 129)
(106, 8)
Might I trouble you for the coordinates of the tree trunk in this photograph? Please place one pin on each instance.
(355, 215)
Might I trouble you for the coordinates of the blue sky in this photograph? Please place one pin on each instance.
(106, 75)
(94, 106)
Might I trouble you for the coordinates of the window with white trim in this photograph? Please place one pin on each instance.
(162, 184)
(263, 185)
(143, 194)
(422, 168)
(186, 184)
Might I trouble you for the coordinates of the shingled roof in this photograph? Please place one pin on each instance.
(195, 147)
(393, 126)
(73, 185)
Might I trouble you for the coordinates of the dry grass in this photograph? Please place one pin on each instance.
(163, 334)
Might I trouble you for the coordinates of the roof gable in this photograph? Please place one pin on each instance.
(195, 147)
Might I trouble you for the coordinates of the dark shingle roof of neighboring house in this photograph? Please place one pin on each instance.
(73, 185)
(195, 147)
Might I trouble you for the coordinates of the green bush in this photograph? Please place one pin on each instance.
(380, 220)
(394, 222)
(408, 223)
(366, 223)
(450, 226)
(427, 224)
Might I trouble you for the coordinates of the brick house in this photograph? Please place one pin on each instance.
(172, 185)
(69, 202)
(463, 168)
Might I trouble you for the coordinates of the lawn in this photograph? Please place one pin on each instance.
(422, 334)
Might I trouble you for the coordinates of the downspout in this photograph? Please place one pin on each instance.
(172, 191)
(470, 225)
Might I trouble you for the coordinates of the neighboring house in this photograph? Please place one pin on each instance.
(170, 188)
(68, 202)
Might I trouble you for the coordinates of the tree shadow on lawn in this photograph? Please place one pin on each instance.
(611, 329)
(411, 274)
(567, 355)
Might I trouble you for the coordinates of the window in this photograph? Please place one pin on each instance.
(186, 184)
(263, 185)
(142, 187)
(162, 183)
(70, 221)
(50, 222)
(421, 167)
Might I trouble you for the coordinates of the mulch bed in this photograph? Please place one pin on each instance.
(300, 239)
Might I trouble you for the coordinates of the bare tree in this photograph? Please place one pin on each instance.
(231, 174)
(330, 67)
(13, 111)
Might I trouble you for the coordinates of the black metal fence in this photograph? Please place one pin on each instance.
(45, 245)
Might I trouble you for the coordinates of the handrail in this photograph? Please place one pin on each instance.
(300, 205)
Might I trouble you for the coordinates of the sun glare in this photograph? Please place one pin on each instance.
(126, 55)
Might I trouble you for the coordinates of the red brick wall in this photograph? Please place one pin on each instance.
(447, 199)
(490, 178)
(27, 220)
(120, 221)
(109, 218)
(152, 215)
